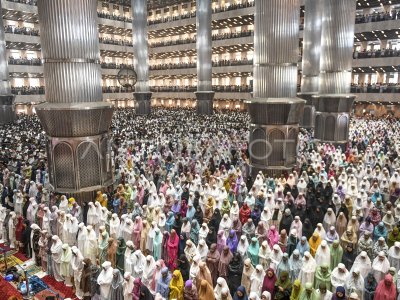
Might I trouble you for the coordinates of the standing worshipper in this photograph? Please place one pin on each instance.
(117, 286)
(190, 291)
(205, 291)
(145, 293)
(104, 280)
(148, 270)
(253, 250)
(128, 286)
(295, 264)
(172, 246)
(283, 287)
(308, 269)
(112, 252)
(120, 255)
(370, 285)
(56, 252)
(77, 268)
(235, 270)
(269, 282)
(176, 286)
(224, 260)
(248, 270)
(163, 283)
(213, 258)
(65, 266)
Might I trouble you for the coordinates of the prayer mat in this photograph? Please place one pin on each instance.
(7, 290)
(59, 287)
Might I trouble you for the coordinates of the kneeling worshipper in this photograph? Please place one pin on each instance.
(105, 279)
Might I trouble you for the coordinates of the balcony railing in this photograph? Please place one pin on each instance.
(25, 61)
(378, 17)
(21, 30)
(27, 90)
(376, 88)
(376, 53)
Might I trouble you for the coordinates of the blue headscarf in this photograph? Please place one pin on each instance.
(303, 248)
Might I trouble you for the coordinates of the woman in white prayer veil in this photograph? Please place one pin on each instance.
(82, 236)
(92, 217)
(148, 270)
(56, 251)
(221, 284)
(302, 186)
(138, 263)
(320, 230)
(128, 255)
(63, 204)
(234, 211)
(307, 271)
(329, 219)
(202, 250)
(225, 224)
(266, 216)
(114, 225)
(264, 254)
(91, 245)
(257, 279)
(195, 268)
(19, 200)
(337, 202)
(394, 255)
(128, 286)
(380, 266)
(77, 267)
(323, 254)
(355, 283)
(339, 276)
(203, 232)
(103, 216)
(362, 263)
(104, 280)
(276, 256)
(242, 246)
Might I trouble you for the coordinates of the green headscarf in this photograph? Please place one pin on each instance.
(336, 254)
(285, 283)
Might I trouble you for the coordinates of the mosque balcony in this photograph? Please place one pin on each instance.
(376, 61)
(378, 97)
(103, 22)
(117, 96)
(21, 38)
(191, 95)
(19, 7)
(377, 26)
(25, 68)
(29, 99)
(119, 50)
(193, 70)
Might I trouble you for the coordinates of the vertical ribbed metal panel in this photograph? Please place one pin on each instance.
(337, 46)
(140, 44)
(4, 75)
(276, 30)
(203, 45)
(312, 45)
(70, 49)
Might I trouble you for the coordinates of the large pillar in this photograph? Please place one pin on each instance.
(7, 105)
(142, 92)
(74, 116)
(311, 59)
(204, 94)
(275, 111)
(334, 102)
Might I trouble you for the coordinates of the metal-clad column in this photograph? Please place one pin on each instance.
(275, 110)
(311, 59)
(204, 93)
(7, 106)
(74, 116)
(334, 103)
(141, 56)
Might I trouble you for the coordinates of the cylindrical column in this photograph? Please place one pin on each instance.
(276, 50)
(311, 58)
(334, 103)
(274, 110)
(141, 56)
(7, 106)
(75, 118)
(337, 46)
(204, 93)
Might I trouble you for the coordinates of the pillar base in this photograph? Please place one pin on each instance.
(307, 118)
(205, 102)
(332, 118)
(143, 103)
(274, 130)
(7, 109)
(79, 145)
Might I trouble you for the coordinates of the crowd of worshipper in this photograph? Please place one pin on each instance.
(185, 220)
